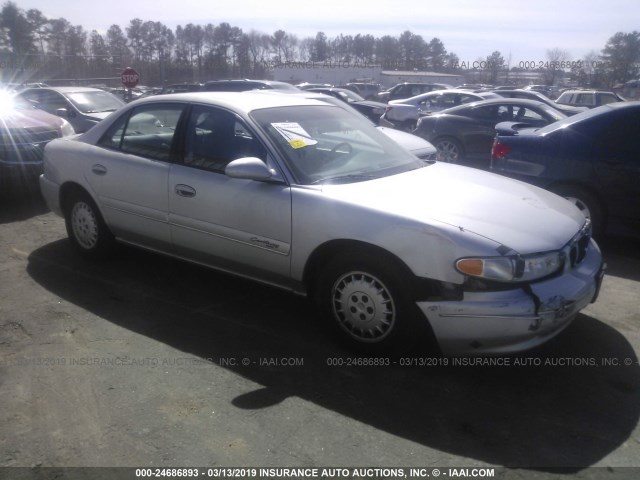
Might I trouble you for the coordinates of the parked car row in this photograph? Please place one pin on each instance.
(83, 107)
(405, 113)
(464, 134)
(461, 134)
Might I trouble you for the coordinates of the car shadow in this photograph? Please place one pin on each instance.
(565, 405)
(621, 251)
(21, 205)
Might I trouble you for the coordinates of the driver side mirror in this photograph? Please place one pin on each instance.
(65, 113)
(250, 168)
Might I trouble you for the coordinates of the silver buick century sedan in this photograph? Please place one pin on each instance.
(312, 198)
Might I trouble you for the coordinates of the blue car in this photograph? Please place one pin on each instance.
(592, 159)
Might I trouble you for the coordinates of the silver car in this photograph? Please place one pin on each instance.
(312, 198)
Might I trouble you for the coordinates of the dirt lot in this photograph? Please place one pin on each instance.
(146, 361)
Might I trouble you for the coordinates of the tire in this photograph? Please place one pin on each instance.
(449, 150)
(86, 228)
(362, 296)
(588, 204)
(408, 126)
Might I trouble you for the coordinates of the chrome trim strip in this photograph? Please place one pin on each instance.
(252, 238)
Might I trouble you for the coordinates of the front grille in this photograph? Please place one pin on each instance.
(428, 157)
(22, 145)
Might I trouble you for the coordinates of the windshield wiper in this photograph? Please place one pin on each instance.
(352, 176)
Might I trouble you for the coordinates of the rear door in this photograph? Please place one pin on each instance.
(479, 133)
(129, 171)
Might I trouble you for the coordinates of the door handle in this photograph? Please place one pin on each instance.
(99, 169)
(185, 190)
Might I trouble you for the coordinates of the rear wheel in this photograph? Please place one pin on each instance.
(586, 203)
(85, 227)
(449, 150)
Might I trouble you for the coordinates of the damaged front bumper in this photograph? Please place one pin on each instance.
(509, 321)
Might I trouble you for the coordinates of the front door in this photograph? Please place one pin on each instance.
(243, 226)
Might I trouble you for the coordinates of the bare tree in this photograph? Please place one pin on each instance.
(558, 61)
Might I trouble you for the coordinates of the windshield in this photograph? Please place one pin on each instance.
(350, 96)
(328, 144)
(553, 113)
(565, 122)
(95, 102)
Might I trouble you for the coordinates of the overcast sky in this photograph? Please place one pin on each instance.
(522, 29)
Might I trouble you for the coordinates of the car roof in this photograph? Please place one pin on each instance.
(522, 102)
(69, 89)
(244, 102)
(435, 93)
(242, 81)
(580, 90)
(517, 90)
(587, 114)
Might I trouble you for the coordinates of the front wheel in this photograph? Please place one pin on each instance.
(85, 227)
(408, 126)
(363, 297)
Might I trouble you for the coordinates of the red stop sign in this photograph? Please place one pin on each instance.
(129, 77)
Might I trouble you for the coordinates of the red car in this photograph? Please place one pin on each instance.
(24, 133)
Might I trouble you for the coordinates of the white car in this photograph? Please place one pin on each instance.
(314, 199)
(405, 113)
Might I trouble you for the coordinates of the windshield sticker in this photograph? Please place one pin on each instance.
(293, 133)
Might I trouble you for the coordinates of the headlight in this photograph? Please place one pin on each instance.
(66, 129)
(513, 268)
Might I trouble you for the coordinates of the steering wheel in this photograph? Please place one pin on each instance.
(335, 158)
(335, 149)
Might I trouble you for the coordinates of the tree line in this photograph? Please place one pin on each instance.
(33, 47)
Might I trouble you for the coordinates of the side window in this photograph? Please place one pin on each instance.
(403, 90)
(524, 114)
(607, 98)
(504, 113)
(215, 137)
(54, 100)
(148, 132)
(585, 99)
(31, 96)
(488, 113)
(46, 100)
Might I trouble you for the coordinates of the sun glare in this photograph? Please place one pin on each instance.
(6, 103)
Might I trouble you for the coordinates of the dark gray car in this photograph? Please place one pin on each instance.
(82, 107)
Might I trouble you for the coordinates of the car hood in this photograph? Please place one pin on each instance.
(520, 216)
(98, 115)
(29, 119)
(371, 103)
(416, 145)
